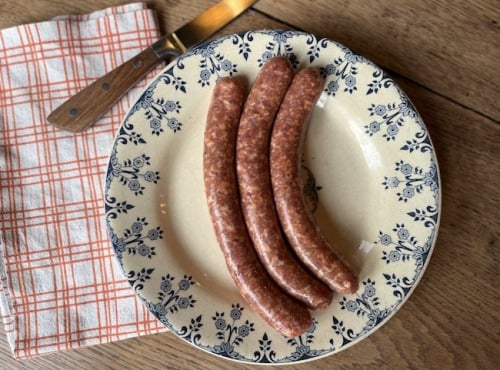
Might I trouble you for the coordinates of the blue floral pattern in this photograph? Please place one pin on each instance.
(345, 70)
(231, 333)
(158, 110)
(134, 240)
(171, 297)
(404, 247)
(366, 305)
(389, 118)
(143, 227)
(411, 180)
(132, 172)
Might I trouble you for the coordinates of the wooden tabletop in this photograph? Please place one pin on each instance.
(446, 56)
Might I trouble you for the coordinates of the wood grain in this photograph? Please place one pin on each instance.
(451, 48)
(446, 58)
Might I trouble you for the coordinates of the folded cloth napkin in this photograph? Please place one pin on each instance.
(60, 287)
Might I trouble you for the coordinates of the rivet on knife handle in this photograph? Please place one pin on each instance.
(80, 111)
(84, 108)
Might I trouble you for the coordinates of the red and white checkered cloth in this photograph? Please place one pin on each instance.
(60, 287)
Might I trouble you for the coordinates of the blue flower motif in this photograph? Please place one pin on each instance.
(385, 239)
(154, 234)
(137, 227)
(266, 56)
(170, 106)
(393, 182)
(184, 284)
(155, 124)
(205, 75)
(373, 127)
(380, 110)
(151, 176)
(226, 65)
(332, 87)
(138, 162)
(170, 298)
(220, 323)
(350, 81)
(408, 192)
(394, 256)
(406, 169)
(392, 131)
(243, 330)
(414, 181)
(403, 234)
(145, 250)
(174, 124)
(236, 312)
(183, 302)
(166, 285)
(330, 69)
(369, 290)
(351, 306)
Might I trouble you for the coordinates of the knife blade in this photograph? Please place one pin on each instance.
(81, 110)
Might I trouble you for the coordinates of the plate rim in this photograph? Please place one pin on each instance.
(438, 195)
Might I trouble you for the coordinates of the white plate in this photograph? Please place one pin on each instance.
(376, 181)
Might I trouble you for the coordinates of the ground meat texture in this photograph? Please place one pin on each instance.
(261, 293)
(290, 126)
(252, 163)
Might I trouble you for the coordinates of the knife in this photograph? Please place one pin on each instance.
(83, 109)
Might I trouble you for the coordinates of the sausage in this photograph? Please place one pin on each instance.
(261, 293)
(252, 165)
(290, 127)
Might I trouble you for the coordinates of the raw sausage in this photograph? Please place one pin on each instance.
(262, 294)
(285, 154)
(252, 164)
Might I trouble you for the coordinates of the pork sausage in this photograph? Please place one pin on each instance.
(261, 293)
(298, 223)
(252, 164)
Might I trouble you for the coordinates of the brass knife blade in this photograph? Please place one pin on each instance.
(81, 110)
(209, 22)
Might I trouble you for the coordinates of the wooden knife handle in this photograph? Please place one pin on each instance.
(84, 108)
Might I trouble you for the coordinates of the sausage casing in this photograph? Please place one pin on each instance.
(252, 164)
(298, 223)
(262, 294)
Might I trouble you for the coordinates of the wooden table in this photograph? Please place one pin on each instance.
(446, 56)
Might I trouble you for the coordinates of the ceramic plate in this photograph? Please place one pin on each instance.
(372, 178)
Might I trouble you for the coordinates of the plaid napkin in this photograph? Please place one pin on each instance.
(60, 287)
